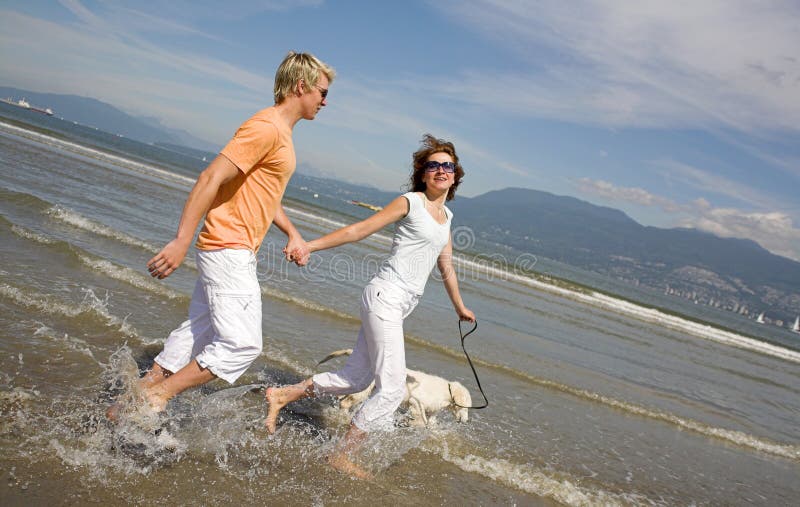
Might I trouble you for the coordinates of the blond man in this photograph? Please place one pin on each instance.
(237, 196)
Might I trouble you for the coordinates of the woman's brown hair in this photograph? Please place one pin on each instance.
(431, 145)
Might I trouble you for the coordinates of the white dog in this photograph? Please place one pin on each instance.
(425, 395)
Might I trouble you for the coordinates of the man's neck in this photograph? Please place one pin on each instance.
(289, 112)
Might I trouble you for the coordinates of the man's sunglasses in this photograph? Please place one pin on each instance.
(322, 91)
(432, 166)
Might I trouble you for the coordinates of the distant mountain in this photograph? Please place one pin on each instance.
(106, 117)
(727, 272)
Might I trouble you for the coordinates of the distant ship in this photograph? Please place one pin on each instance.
(367, 205)
(796, 325)
(26, 105)
(760, 318)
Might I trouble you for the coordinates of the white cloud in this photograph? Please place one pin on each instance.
(711, 63)
(614, 193)
(774, 231)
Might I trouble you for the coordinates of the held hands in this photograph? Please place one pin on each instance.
(296, 250)
(465, 314)
(168, 259)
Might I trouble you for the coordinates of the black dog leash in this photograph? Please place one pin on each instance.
(463, 336)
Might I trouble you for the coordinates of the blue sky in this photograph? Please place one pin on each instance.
(680, 114)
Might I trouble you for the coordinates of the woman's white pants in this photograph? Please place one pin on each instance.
(379, 355)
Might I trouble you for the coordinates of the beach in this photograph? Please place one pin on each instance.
(594, 400)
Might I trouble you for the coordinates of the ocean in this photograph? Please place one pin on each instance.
(594, 400)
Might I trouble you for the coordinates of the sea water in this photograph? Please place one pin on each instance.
(593, 400)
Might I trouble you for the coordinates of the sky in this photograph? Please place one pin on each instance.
(680, 114)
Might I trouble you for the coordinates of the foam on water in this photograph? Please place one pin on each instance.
(25, 233)
(735, 437)
(304, 303)
(129, 276)
(77, 220)
(91, 305)
(71, 342)
(98, 154)
(278, 356)
(537, 482)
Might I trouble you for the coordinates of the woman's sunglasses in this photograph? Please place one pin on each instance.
(432, 166)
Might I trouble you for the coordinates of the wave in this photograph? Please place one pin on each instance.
(275, 355)
(735, 437)
(130, 277)
(100, 155)
(305, 303)
(77, 220)
(71, 342)
(30, 235)
(530, 480)
(91, 305)
(103, 266)
(23, 199)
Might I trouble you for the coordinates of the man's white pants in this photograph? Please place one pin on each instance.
(379, 355)
(223, 332)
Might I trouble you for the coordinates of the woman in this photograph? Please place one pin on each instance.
(421, 239)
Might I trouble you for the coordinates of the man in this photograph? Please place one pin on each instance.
(239, 194)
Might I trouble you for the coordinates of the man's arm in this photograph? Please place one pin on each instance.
(219, 171)
(295, 241)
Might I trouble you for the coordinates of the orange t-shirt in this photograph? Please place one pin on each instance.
(245, 206)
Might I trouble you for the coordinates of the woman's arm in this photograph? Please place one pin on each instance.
(393, 212)
(450, 280)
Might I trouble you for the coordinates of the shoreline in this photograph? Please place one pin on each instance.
(554, 285)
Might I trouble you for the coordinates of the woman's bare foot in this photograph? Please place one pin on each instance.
(343, 464)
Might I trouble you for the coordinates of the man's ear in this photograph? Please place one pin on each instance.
(300, 87)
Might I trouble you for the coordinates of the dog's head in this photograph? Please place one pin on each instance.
(460, 397)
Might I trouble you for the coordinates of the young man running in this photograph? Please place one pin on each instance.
(239, 194)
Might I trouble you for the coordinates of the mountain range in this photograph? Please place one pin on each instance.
(95, 113)
(735, 274)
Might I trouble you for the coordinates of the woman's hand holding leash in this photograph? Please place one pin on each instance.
(466, 314)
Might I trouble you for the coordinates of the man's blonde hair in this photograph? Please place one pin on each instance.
(296, 67)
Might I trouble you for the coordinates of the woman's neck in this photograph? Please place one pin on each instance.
(436, 198)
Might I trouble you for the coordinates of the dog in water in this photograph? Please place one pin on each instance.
(425, 395)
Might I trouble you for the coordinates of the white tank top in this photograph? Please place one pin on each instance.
(418, 241)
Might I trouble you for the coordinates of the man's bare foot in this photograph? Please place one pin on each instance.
(152, 402)
(156, 402)
(341, 463)
(277, 400)
(114, 411)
